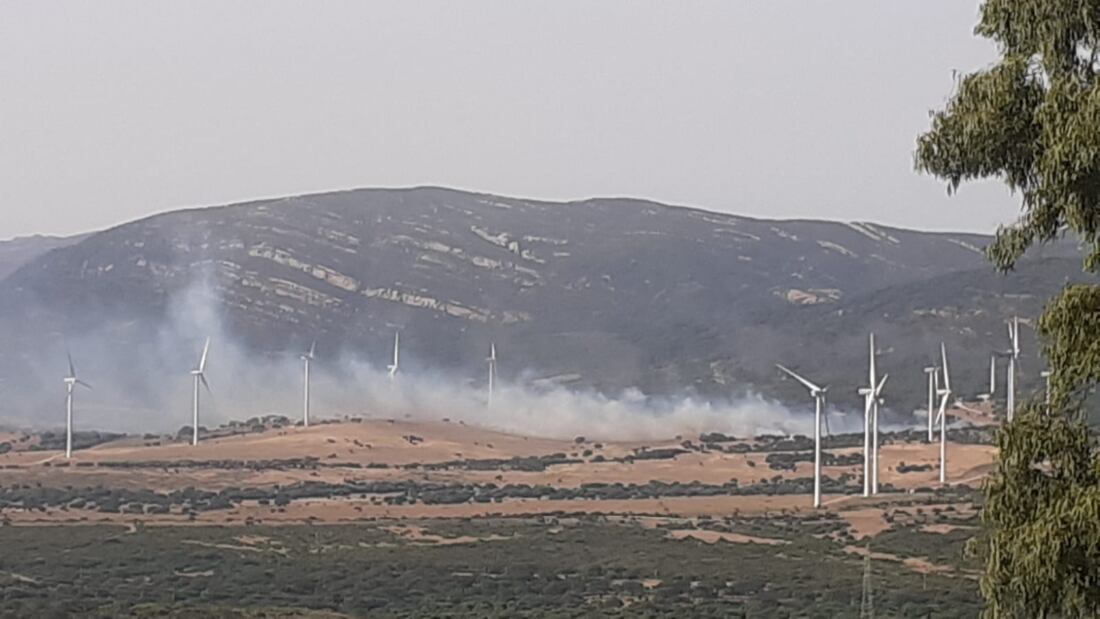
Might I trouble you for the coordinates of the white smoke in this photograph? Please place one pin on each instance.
(147, 388)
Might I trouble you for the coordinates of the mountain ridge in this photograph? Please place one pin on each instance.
(625, 293)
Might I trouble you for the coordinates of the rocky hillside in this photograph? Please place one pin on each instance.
(605, 293)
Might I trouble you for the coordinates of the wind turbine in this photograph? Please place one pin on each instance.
(492, 361)
(1013, 355)
(945, 395)
(396, 353)
(818, 394)
(71, 381)
(1046, 374)
(198, 375)
(872, 395)
(307, 358)
(933, 378)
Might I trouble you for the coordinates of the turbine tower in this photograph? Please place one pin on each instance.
(396, 354)
(945, 395)
(198, 375)
(818, 394)
(307, 358)
(871, 394)
(878, 402)
(933, 377)
(1013, 355)
(492, 361)
(71, 381)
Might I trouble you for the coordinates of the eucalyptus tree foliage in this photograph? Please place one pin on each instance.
(1033, 121)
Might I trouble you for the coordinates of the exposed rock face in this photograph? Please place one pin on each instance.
(620, 292)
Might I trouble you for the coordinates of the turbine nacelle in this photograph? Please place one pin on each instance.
(876, 392)
(311, 355)
(815, 391)
(71, 380)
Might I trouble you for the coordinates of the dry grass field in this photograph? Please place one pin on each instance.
(485, 523)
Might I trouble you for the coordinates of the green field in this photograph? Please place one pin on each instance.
(546, 567)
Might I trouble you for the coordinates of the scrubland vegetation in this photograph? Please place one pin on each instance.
(545, 567)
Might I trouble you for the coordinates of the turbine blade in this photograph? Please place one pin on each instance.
(202, 378)
(72, 368)
(882, 382)
(946, 373)
(313, 348)
(205, 351)
(871, 372)
(808, 384)
(83, 384)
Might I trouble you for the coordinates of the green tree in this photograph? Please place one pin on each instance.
(1033, 121)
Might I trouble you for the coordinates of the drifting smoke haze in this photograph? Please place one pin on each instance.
(146, 387)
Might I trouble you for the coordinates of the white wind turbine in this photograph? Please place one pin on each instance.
(1045, 375)
(71, 381)
(1013, 355)
(198, 375)
(307, 358)
(933, 383)
(872, 398)
(492, 361)
(393, 367)
(945, 395)
(818, 394)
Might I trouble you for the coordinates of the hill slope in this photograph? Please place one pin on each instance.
(615, 293)
(16, 252)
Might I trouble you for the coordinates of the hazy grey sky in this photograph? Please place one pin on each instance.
(110, 111)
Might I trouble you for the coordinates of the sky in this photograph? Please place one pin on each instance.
(111, 111)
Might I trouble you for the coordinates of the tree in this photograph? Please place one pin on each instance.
(1033, 121)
